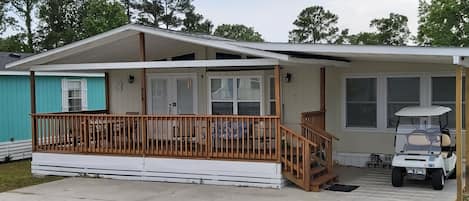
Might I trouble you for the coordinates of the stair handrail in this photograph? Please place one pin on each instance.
(319, 131)
(288, 164)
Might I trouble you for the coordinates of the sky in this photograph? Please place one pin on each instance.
(274, 18)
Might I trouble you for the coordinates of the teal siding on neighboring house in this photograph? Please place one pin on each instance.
(15, 102)
(14, 108)
(96, 93)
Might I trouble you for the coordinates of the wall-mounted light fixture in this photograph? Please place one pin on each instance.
(131, 79)
(288, 77)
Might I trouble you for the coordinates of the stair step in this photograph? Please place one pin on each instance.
(323, 179)
(317, 170)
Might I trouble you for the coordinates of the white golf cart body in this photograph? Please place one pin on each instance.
(423, 145)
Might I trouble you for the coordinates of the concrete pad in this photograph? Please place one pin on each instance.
(374, 185)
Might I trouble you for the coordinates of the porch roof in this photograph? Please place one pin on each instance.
(120, 46)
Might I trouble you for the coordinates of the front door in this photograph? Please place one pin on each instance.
(171, 94)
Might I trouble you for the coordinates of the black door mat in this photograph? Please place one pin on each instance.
(341, 188)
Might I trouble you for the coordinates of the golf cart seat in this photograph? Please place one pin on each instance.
(445, 143)
(418, 139)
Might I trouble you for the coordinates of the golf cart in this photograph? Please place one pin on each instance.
(423, 150)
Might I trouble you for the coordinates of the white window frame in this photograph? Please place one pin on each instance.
(84, 94)
(235, 100)
(382, 108)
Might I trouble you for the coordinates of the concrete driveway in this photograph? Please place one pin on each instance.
(374, 185)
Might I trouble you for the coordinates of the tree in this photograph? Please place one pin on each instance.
(5, 20)
(14, 43)
(392, 30)
(238, 32)
(66, 21)
(443, 23)
(25, 8)
(315, 25)
(195, 23)
(150, 12)
(364, 38)
(343, 37)
(128, 6)
(101, 15)
(167, 13)
(60, 23)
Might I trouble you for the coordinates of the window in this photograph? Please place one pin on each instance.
(361, 102)
(401, 92)
(236, 95)
(74, 95)
(444, 94)
(272, 96)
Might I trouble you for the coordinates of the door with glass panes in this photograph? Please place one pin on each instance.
(172, 94)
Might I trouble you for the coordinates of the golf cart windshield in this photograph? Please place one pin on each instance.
(419, 141)
(417, 135)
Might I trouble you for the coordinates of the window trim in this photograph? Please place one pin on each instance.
(83, 96)
(425, 96)
(235, 100)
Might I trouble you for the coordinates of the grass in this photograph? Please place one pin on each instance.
(17, 174)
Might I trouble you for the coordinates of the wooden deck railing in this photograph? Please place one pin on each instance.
(314, 118)
(194, 136)
(312, 128)
(296, 153)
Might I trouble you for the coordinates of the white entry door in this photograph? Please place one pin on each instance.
(172, 94)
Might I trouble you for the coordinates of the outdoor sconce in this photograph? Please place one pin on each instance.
(287, 77)
(131, 79)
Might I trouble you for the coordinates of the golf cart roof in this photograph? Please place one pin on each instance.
(422, 111)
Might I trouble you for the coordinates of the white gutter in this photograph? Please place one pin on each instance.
(57, 74)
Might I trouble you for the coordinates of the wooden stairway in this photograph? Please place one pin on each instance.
(307, 158)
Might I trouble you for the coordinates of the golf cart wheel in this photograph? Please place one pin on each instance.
(397, 176)
(438, 179)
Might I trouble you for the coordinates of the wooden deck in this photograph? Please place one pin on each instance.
(306, 157)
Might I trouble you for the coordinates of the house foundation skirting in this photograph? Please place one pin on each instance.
(360, 159)
(235, 173)
(16, 150)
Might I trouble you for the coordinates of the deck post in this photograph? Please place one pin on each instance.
(459, 143)
(278, 107)
(143, 80)
(32, 82)
(106, 83)
(143, 57)
(466, 91)
(323, 98)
